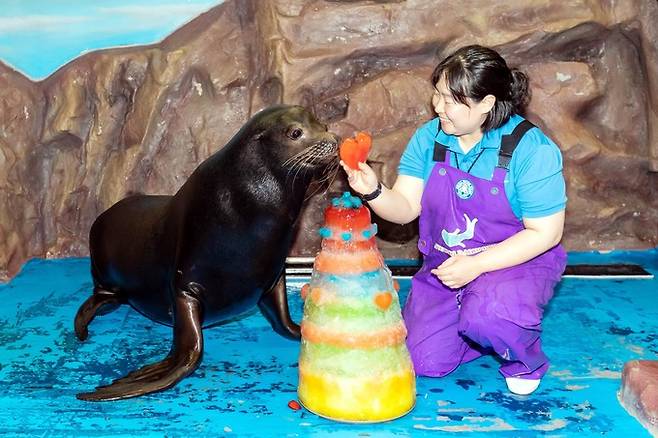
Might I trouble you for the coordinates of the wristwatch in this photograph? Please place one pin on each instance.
(373, 195)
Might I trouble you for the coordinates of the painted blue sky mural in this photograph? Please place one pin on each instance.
(39, 36)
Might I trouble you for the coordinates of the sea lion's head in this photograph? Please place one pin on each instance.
(293, 137)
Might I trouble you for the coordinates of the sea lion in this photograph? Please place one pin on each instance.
(214, 249)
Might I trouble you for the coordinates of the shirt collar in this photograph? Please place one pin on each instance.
(490, 140)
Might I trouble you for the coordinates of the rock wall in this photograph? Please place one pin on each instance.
(141, 119)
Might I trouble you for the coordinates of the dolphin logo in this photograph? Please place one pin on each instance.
(456, 238)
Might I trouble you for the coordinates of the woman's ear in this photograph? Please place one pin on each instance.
(487, 103)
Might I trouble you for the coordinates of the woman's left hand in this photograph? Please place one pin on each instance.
(458, 270)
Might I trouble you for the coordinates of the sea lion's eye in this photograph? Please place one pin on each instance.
(295, 133)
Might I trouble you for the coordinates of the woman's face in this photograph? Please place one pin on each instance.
(457, 118)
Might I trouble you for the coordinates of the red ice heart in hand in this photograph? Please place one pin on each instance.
(355, 150)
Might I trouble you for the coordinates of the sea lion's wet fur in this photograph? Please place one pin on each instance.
(214, 249)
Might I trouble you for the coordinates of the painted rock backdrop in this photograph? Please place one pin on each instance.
(140, 119)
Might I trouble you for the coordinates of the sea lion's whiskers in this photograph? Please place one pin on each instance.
(293, 158)
(319, 185)
(328, 174)
(298, 166)
(296, 157)
(296, 163)
(332, 172)
(292, 166)
(308, 157)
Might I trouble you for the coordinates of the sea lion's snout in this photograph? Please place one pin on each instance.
(334, 139)
(328, 148)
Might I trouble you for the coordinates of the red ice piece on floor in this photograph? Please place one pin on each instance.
(294, 405)
(639, 392)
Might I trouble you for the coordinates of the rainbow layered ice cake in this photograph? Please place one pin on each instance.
(353, 365)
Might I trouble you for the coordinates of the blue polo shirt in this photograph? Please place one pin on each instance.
(534, 184)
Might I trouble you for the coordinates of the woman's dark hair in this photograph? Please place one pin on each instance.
(474, 72)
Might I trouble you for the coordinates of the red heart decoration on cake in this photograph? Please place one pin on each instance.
(383, 300)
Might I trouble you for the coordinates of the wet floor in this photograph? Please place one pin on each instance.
(249, 374)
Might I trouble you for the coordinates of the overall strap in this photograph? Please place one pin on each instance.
(440, 150)
(508, 144)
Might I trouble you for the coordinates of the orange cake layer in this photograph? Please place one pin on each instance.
(348, 263)
(387, 337)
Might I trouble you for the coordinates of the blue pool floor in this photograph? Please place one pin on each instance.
(249, 374)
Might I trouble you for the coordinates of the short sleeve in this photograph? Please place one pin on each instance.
(538, 178)
(414, 157)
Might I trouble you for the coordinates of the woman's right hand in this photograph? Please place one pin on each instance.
(363, 181)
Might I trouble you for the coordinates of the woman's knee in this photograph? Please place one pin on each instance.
(478, 319)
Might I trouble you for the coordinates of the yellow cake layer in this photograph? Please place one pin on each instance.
(371, 399)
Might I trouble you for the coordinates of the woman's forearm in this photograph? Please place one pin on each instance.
(519, 248)
(400, 204)
(394, 207)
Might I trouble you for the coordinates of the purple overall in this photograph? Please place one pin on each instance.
(499, 311)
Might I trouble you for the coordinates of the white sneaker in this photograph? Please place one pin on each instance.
(522, 386)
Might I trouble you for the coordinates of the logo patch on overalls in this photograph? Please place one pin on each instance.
(464, 188)
(456, 237)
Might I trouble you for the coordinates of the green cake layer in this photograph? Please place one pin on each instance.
(350, 362)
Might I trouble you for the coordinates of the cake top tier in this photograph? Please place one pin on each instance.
(347, 219)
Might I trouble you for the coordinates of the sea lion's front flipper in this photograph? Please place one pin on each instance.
(182, 360)
(274, 306)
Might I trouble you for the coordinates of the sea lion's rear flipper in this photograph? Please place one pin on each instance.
(182, 360)
(99, 303)
(274, 306)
